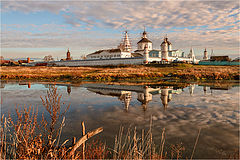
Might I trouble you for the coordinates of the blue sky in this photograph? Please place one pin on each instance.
(39, 28)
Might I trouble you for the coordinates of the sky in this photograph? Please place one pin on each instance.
(39, 28)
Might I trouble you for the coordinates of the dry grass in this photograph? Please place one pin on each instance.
(25, 138)
(130, 145)
(121, 73)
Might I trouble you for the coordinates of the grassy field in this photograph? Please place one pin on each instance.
(132, 72)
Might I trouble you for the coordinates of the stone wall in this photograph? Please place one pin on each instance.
(100, 62)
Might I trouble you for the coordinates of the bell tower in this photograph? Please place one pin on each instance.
(146, 55)
(126, 43)
(164, 50)
(205, 55)
(68, 55)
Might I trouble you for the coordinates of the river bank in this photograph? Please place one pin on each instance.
(121, 73)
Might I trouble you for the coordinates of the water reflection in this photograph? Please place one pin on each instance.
(69, 89)
(144, 93)
(180, 108)
(191, 89)
(205, 89)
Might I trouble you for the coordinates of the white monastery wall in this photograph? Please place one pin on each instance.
(98, 62)
(134, 88)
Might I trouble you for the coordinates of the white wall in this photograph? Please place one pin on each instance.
(151, 59)
(99, 62)
(114, 61)
(125, 55)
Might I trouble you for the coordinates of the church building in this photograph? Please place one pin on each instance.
(122, 51)
(165, 54)
(143, 43)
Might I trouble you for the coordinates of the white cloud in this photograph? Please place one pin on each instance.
(198, 23)
(154, 13)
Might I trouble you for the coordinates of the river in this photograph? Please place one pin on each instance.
(183, 111)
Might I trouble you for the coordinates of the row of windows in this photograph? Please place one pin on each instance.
(143, 46)
(107, 56)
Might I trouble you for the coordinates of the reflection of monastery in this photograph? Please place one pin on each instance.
(144, 93)
(123, 54)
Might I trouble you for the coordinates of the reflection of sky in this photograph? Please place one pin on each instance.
(24, 87)
(217, 113)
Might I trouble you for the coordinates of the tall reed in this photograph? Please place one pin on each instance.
(25, 138)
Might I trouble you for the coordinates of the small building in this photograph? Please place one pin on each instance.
(220, 58)
(5, 62)
(68, 56)
(219, 61)
(236, 59)
(25, 61)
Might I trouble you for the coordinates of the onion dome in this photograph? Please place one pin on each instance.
(166, 41)
(144, 33)
(169, 43)
(144, 38)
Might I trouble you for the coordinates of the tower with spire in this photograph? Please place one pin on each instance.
(125, 45)
(205, 55)
(68, 55)
(191, 55)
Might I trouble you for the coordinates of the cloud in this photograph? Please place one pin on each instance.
(197, 23)
(131, 14)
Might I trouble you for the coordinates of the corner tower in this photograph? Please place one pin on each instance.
(164, 49)
(146, 55)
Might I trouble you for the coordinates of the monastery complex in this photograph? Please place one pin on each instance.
(144, 54)
(144, 51)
